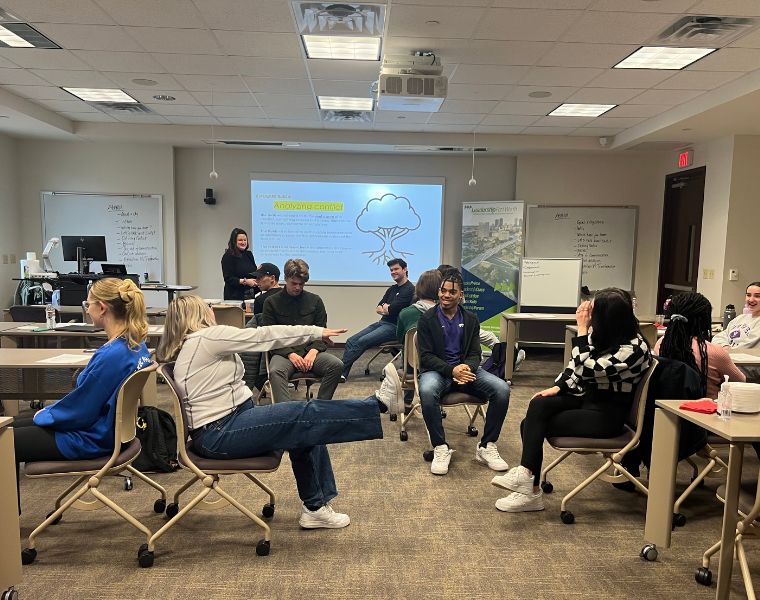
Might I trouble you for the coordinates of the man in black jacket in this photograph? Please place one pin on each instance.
(449, 352)
(396, 297)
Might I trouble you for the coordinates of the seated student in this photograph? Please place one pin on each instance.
(226, 423)
(396, 297)
(744, 330)
(295, 306)
(449, 354)
(426, 294)
(591, 398)
(81, 424)
(268, 278)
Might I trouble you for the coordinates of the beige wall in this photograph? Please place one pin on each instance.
(9, 205)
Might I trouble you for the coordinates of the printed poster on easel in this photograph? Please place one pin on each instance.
(492, 245)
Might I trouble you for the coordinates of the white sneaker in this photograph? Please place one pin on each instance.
(519, 360)
(325, 518)
(517, 502)
(441, 459)
(490, 456)
(518, 479)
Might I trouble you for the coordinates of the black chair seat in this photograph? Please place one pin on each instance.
(596, 444)
(266, 462)
(128, 453)
(456, 398)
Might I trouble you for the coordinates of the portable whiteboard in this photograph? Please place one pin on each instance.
(131, 224)
(550, 283)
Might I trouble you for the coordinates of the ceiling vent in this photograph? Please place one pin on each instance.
(333, 18)
(256, 144)
(122, 107)
(704, 30)
(347, 116)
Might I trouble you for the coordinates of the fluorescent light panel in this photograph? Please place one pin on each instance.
(342, 47)
(344, 103)
(23, 35)
(663, 57)
(581, 110)
(9, 38)
(100, 95)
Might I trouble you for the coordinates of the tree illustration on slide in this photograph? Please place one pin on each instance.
(388, 218)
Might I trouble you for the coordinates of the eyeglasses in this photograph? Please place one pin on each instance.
(86, 304)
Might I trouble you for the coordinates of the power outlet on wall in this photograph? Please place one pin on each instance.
(708, 273)
(733, 274)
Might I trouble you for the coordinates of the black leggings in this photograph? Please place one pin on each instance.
(32, 443)
(572, 416)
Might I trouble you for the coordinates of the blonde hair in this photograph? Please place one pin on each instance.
(297, 267)
(127, 304)
(184, 315)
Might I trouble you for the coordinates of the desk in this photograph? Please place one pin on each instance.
(10, 540)
(510, 327)
(751, 356)
(168, 288)
(24, 332)
(738, 430)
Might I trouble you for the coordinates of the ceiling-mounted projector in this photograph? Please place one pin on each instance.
(411, 83)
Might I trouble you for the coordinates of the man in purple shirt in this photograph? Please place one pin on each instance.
(449, 353)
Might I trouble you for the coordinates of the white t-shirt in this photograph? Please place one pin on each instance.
(741, 332)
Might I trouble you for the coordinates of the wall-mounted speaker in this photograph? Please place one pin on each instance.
(209, 199)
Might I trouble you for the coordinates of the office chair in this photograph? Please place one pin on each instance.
(391, 347)
(208, 471)
(91, 472)
(612, 449)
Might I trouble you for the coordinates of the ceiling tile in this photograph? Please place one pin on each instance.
(72, 105)
(93, 117)
(178, 110)
(247, 15)
(597, 131)
(90, 37)
(397, 126)
(483, 74)
(448, 128)
(146, 95)
(350, 89)
(637, 110)
(630, 78)
(393, 116)
(550, 4)
(285, 112)
(521, 93)
(39, 58)
(665, 97)
(728, 59)
(197, 64)
(239, 112)
(5, 63)
(141, 118)
(21, 77)
(750, 40)
(359, 70)
(285, 101)
(624, 122)
(126, 80)
(445, 2)
(291, 124)
(185, 120)
(524, 24)
(548, 130)
(500, 129)
(559, 76)
(351, 125)
(74, 78)
(510, 120)
(616, 27)
(524, 108)
(278, 86)
(468, 106)
(671, 6)
(166, 13)
(286, 68)
(472, 91)
(170, 40)
(572, 122)
(455, 119)
(591, 95)
(221, 83)
(45, 11)
(602, 56)
(449, 22)
(39, 92)
(242, 122)
(246, 43)
(741, 8)
(697, 80)
(226, 98)
(119, 61)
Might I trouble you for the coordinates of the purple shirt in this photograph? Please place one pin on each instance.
(453, 330)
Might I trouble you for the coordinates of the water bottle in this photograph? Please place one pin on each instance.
(725, 402)
(728, 315)
(633, 303)
(50, 316)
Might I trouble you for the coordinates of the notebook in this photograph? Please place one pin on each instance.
(78, 327)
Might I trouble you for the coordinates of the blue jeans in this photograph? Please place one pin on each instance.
(372, 335)
(434, 386)
(301, 428)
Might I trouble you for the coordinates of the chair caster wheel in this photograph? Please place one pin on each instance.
(10, 595)
(28, 555)
(443, 414)
(267, 511)
(262, 548)
(128, 485)
(679, 520)
(472, 431)
(403, 436)
(57, 520)
(145, 557)
(703, 576)
(394, 417)
(649, 552)
(172, 510)
(366, 371)
(567, 517)
(547, 487)
(428, 455)
(159, 506)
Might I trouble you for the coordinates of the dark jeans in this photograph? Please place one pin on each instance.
(581, 416)
(301, 428)
(32, 443)
(375, 334)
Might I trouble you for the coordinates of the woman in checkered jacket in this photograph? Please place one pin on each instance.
(590, 398)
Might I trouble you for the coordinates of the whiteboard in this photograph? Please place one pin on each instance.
(603, 236)
(550, 282)
(131, 223)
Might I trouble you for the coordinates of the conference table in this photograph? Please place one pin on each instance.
(169, 288)
(739, 430)
(30, 334)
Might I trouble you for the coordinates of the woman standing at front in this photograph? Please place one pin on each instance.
(238, 267)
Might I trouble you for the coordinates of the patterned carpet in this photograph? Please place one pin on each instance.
(412, 534)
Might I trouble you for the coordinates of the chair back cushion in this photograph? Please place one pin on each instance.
(636, 413)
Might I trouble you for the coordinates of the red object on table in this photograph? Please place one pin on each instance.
(705, 406)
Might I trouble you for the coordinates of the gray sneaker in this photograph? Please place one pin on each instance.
(324, 518)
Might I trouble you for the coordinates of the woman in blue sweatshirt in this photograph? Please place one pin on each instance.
(81, 424)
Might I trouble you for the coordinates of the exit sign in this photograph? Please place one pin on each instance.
(685, 159)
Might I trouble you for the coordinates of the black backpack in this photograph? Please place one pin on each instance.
(497, 362)
(158, 437)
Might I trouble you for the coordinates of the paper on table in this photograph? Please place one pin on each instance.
(744, 358)
(63, 359)
(29, 327)
(155, 328)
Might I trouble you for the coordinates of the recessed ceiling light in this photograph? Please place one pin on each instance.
(164, 98)
(140, 81)
(22, 35)
(432, 23)
(686, 129)
(291, 144)
(342, 47)
(401, 117)
(343, 103)
(100, 95)
(663, 57)
(581, 110)
(540, 94)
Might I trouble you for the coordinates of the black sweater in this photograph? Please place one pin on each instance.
(430, 343)
(235, 268)
(397, 297)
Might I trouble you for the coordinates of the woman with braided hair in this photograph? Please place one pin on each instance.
(686, 339)
(81, 424)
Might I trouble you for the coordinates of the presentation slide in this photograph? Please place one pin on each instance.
(347, 231)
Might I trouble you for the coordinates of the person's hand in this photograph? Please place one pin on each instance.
(379, 309)
(462, 374)
(552, 391)
(297, 361)
(583, 317)
(386, 307)
(250, 282)
(308, 360)
(330, 333)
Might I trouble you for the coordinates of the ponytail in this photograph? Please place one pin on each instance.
(127, 304)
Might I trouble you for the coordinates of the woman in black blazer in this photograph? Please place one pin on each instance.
(238, 267)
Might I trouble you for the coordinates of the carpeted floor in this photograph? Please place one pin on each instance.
(412, 534)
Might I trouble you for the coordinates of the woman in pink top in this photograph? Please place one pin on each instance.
(686, 339)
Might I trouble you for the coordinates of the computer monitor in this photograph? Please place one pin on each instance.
(114, 269)
(93, 248)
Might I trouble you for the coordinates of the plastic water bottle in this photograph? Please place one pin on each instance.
(725, 402)
(50, 316)
(633, 304)
(728, 315)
